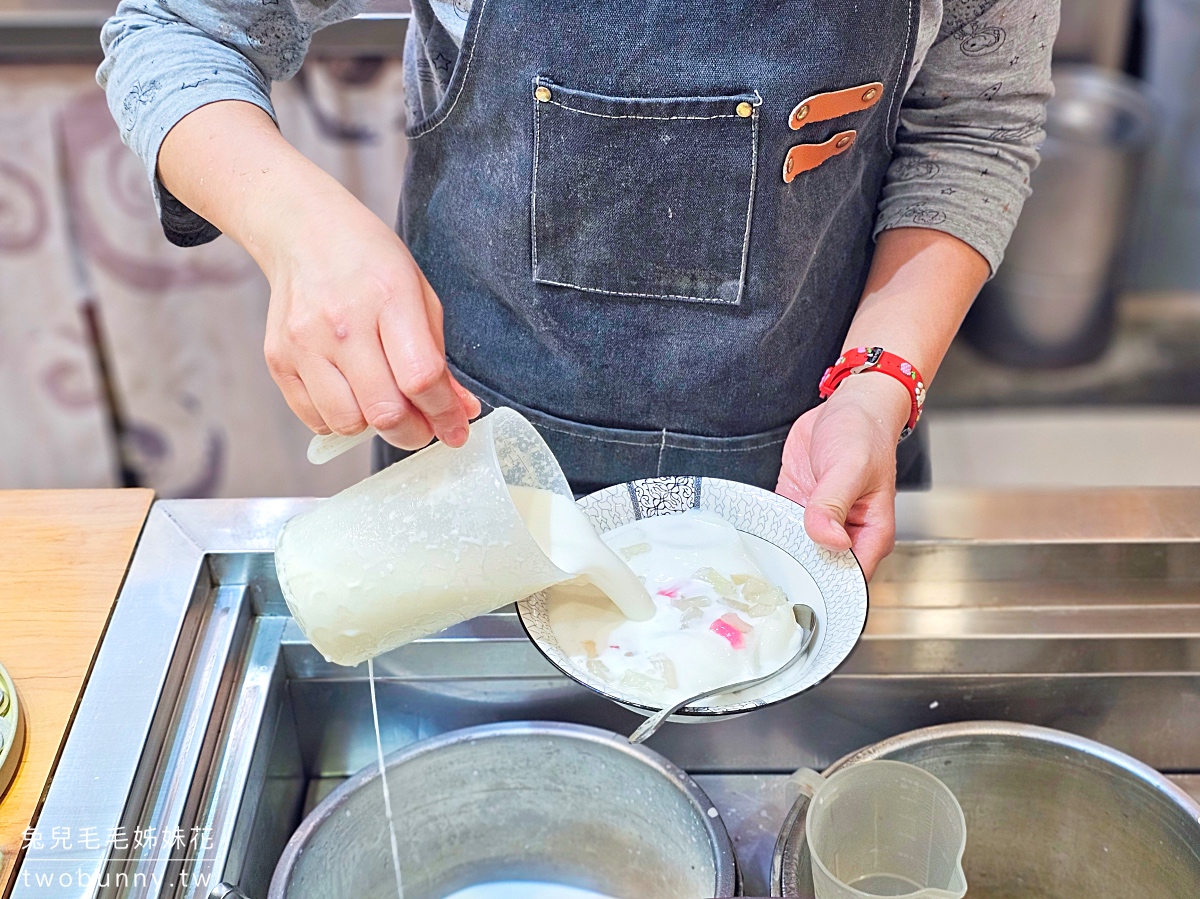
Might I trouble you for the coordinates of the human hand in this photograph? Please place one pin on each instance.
(839, 462)
(354, 330)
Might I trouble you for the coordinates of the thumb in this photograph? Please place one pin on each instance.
(789, 485)
(835, 493)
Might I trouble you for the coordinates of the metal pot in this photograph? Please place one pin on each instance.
(533, 801)
(1048, 814)
(1052, 303)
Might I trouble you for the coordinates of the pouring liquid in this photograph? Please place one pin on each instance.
(567, 536)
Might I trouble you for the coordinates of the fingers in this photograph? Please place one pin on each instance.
(872, 545)
(433, 311)
(433, 308)
(847, 510)
(841, 468)
(470, 402)
(789, 486)
(332, 396)
(285, 376)
(298, 401)
(370, 352)
(875, 538)
(385, 408)
(795, 474)
(839, 516)
(830, 502)
(419, 367)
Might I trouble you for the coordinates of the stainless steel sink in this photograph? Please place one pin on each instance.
(209, 718)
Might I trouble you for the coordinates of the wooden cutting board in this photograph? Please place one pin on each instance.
(63, 556)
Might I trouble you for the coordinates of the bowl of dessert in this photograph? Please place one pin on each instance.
(724, 563)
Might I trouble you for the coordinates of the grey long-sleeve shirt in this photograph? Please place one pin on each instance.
(970, 124)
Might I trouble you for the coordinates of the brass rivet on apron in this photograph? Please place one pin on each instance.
(788, 165)
(745, 110)
(844, 142)
(802, 112)
(869, 95)
(542, 93)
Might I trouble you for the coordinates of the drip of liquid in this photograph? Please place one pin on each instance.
(387, 794)
(568, 538)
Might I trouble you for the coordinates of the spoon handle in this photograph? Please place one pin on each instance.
(655, 721)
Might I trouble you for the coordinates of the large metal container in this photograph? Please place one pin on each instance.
(1049, 815)
(1163, 253)
(1094, 31)
(1052, 302)
(536, 801)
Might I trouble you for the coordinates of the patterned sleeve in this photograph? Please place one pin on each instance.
(971, 124)
(166, 58)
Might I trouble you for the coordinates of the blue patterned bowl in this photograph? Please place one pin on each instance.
(832, 583)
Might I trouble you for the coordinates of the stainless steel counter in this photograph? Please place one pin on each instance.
(208, 714)
(1101, 515)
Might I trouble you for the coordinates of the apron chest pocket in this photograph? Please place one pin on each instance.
(639, 197)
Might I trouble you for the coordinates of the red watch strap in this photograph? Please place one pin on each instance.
(875, 358)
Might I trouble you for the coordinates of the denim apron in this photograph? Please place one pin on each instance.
(599, 202)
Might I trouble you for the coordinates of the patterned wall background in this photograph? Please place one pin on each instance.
(124, 359)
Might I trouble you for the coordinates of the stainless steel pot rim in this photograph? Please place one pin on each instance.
(1029, 731)
(723, 857)
(788, 844)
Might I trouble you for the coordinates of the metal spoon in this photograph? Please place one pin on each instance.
(805, 617)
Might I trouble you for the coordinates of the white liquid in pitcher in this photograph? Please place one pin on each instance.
(374, 572)
(567, 536)
(717, 619)
(524, 889)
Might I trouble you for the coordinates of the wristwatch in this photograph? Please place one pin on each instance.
(875, 358)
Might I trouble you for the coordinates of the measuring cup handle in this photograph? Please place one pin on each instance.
(324, 447)
(807, 781)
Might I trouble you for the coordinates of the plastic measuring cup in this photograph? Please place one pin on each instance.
(426, 543)
(883, 828)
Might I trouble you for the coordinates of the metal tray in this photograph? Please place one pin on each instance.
(208, 714)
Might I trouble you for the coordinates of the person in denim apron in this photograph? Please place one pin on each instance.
(647, 227)
(656, 298)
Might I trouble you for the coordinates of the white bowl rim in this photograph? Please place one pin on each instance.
(705, 711)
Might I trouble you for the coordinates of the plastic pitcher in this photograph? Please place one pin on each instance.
(884, 828)
(428, 542)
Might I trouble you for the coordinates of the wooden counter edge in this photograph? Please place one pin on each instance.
(71, 549)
